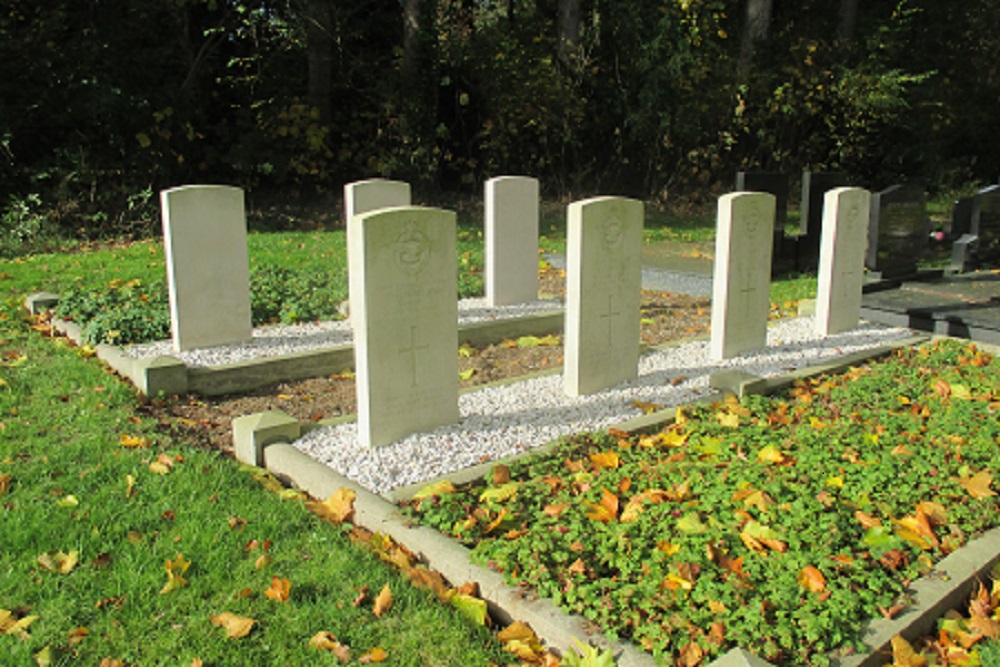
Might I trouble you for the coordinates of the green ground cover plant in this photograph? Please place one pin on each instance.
(121, 543)
(777, 523)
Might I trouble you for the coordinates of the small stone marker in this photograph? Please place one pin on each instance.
(603, 293)
(898, 231)
(842, 260)
(364, 196)
(815, 185)
(404, 313)
(511, 240)
(774, 183)
(208, 266)
(742, 274)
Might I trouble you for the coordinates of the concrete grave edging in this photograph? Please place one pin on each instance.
(169, 375)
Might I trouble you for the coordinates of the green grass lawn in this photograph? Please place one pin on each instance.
(72, 496)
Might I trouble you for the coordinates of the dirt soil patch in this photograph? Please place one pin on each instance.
(207, 421)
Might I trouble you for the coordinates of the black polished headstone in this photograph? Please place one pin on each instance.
(961, 217)
(898, 231)
(815, 185)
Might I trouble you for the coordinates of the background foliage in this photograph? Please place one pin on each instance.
(103, 103)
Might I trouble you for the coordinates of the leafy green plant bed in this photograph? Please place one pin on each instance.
(776, 524)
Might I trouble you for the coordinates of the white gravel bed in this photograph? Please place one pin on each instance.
(501, 421)
(280, 340)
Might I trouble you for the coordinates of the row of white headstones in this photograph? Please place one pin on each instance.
(402, 267)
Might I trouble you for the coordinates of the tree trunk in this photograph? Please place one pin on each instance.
(847, 21)
(319, 49)
(569, 30)
(755, 30)
(411, 40)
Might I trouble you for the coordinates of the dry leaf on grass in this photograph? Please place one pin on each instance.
(235, 626)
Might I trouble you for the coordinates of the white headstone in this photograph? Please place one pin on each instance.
(603, 293)
(842, 259)
(511, 240)
(208, 267)
(405, 319)
(364, 196)
(742, 273)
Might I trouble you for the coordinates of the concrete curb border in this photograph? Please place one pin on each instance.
(169, 375)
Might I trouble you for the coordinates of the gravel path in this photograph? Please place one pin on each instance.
(275, 341)
(501, 421)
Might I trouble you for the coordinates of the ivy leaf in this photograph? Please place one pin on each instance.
(236, 627)
(336, 509)
(175, 574)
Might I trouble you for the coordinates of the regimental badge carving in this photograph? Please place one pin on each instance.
(613, 231)
(755, 217)
(412, 249)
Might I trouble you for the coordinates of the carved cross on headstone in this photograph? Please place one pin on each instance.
(610, 314)
(412, 351)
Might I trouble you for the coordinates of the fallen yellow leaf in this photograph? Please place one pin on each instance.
(978, 486)
(608, 459)
(375, 655)
(280, 589)
(812, 579)
(325, 641)
(338, 508)
(235, 626)
(57, 561)
(133, 441)
(175, 574)
(383, 602)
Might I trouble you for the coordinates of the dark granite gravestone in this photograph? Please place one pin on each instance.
(980, 247)
(898, 231)
(814, 186)
(961, 217)
(774, 183)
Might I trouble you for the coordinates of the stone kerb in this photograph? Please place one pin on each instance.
(603, 293)
(208, 266)
(511, 243)
(842, 260)
(404, 312)
(742, 274)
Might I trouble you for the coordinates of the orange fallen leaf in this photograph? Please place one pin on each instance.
(383, 601)
(325, 641)
(812, 579)
(236, 627)
(4, 483)
(77, 636)
(606, 510)
(279, 590)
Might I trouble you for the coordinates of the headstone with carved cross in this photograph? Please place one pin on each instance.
(404, 312)
(511, 226)
(742, 274)
(208, 266)
(603, 293)
(842, 260)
